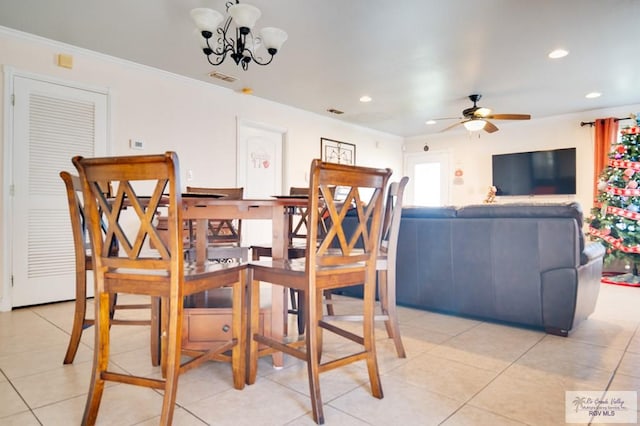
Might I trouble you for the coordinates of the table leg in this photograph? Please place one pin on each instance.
(201, 241)
(279, 314)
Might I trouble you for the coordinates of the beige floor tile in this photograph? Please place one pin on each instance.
(65, 412)
(630, 365)
(20, 322)
(332, 416)
(37, 361)
(561, 374)
(418, 340)
(181, 417)
(449, 378)
(54, 385)
(403, 404)
(332, 383)
(121, 405)
(23, 419)
(11, 401)
(617, 303)
(204, 382)
(634, 345)
(441, 323)
(33, 334)
(263, 403)
(533, 403)
(472, 416)
(601, 332)
(626, 383)
(489, 346)
(568, 351)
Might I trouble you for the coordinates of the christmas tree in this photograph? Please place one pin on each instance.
(615, 218)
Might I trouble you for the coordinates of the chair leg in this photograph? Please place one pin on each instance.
(369, 340)
(301, 309)
(388, 305)
(313, 351)
(154, 343)
(164, 334)
(80, 313)
(174, 337)
(100, 359)
(238, 324)
(254, 318)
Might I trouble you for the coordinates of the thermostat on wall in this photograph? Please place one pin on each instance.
(136, 144)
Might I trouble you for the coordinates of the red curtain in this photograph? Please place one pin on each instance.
(606, 132)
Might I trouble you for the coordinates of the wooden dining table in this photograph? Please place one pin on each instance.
(200, 208)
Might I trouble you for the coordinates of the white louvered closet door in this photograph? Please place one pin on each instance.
(52, 123)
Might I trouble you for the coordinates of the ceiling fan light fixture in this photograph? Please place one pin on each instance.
(474, 125)
(482, 112)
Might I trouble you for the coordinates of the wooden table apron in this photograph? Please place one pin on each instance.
(277, 210)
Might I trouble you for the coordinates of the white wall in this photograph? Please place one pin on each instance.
(193, 118)
(473, 154)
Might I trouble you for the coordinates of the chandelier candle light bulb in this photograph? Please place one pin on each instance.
(242, 46)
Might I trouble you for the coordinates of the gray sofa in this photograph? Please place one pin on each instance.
(526, 264)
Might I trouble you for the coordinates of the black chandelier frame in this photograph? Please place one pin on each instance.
(236, 48)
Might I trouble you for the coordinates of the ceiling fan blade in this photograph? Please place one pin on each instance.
(509, 116)
(450, 127)
(489, 127)
(446, 118)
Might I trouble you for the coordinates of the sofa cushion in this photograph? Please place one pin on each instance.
(568, 209)
(429, 212)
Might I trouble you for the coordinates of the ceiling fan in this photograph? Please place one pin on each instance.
(477, 118)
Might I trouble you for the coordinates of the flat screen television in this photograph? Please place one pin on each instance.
(535, 173)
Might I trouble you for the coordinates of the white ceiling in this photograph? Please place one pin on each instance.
(417, 59)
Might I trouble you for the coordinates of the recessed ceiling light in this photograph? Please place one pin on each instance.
(365, 99)
(593, 95)
(430, 122)
(558, 53)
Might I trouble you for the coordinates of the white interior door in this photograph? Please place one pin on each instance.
(51, 124)
(260, 172)
(428, 178)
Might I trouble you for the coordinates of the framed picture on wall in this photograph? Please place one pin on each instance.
(333, 151)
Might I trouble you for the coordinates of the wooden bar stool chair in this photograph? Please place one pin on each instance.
(84, 263)
(330, 263)
(386, 269)
(159, 272)
(298, 228)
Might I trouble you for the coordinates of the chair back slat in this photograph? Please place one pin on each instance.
(130, 211)
(364, 189)
(392, 216)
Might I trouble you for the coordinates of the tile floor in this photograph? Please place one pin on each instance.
(458, 372)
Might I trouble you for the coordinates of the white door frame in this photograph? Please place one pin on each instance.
(7, 163)
(443, 157)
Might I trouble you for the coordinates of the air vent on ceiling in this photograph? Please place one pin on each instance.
(222, 77)
(335, 111)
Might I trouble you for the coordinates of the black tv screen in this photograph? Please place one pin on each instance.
(535, 173)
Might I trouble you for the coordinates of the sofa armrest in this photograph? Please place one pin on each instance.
(592, 250)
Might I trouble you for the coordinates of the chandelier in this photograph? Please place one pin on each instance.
(218, 42)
